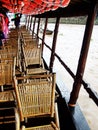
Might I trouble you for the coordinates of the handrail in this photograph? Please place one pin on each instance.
(92, 94)
(89, 90)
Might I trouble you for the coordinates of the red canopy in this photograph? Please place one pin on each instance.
(33, 6)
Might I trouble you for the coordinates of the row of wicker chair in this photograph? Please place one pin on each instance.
(8, 54)
(33, 89)
(31, 54)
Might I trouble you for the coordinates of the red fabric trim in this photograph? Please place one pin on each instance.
(34, 7)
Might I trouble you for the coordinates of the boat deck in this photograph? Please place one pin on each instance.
(67, 118)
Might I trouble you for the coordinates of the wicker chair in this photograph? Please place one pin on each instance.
(6, 96)
(32, 63)
(8, 113)
(7, 71)
(35, 96)
(51, 126)
(32, 55)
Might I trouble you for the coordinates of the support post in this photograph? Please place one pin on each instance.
(83, 56)
(54, 44)
(31, 22)
(33, 27)
(38, 27)
(28, 22)
(43, 38)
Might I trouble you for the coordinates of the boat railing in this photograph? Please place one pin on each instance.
(92, 94)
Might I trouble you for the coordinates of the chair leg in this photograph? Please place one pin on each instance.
(57, 116)
(2, 88)
(17, 119)
(23, 127)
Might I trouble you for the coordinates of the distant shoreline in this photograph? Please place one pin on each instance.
(73, 20)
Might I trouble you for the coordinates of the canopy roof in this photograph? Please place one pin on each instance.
(33, 6)
(48, 8)
(74, 8)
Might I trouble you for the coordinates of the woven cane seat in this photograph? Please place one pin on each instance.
(51, 126)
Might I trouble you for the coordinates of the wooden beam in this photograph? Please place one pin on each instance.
(43, 38)
(83, 56)
(33, 26)
(54, 43)
(38, 27)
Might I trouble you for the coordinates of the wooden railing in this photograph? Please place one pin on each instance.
(92, 94)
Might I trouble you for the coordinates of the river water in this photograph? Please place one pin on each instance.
(69, 44)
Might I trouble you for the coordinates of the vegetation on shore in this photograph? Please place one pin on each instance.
(73, 20)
